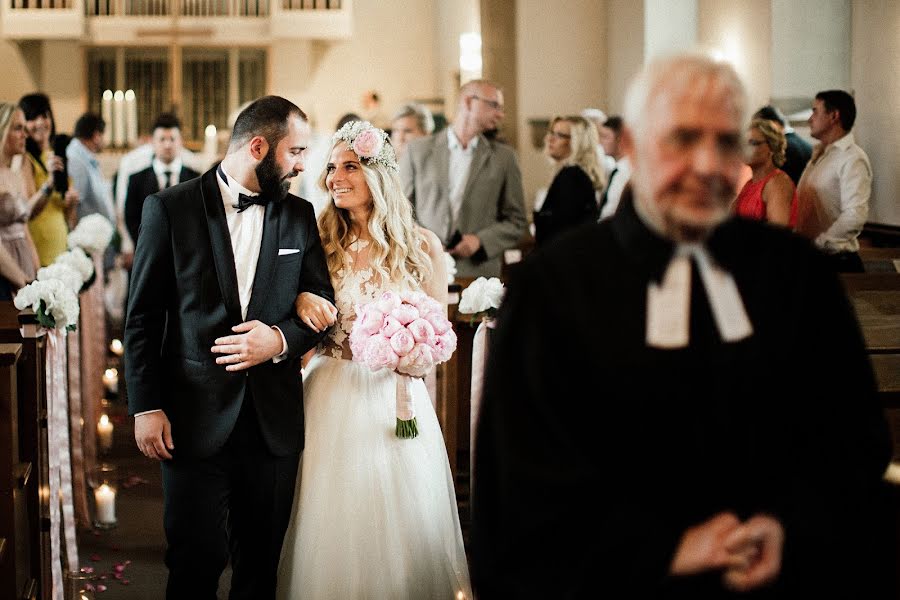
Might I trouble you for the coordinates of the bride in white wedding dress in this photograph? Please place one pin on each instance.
(374, 516)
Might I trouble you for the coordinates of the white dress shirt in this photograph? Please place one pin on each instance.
(619, 177)
(460, 165)
(838, 183)
(173, 169)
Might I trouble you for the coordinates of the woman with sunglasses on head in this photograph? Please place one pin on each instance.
(770, 194)
(571, 144)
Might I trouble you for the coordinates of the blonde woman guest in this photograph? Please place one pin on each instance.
(770, 194)
(374, 515)
(570, 144)
(52, 218)
(15, 205)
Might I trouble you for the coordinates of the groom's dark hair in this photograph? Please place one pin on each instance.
(266, 116)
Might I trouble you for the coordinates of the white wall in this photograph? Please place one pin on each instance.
(875, 79)
(625, 49)
(669, 26)
(561, 64)
(740, 30)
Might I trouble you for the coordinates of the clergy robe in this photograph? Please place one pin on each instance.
(785, 422)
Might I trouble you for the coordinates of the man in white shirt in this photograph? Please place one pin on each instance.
(467, 188)
(836, 185)
(166, 169)
(611, 140)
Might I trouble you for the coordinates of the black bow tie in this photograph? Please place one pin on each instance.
(244, 201)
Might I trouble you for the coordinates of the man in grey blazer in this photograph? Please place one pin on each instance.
(467, 188)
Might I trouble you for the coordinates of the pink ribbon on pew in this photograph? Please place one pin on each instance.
(59, 461)
(479, 363)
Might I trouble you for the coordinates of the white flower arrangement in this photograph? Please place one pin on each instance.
(92, 234)
(66, 273)
(55, 304)
(78, 260)
(370, 143)
(482, 296)
(451, 268)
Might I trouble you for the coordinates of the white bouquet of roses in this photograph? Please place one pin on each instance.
(63, 272)
(407, 333)
(54, 303)
(92, 234)
(482, 298)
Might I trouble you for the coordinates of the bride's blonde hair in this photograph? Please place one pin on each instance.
(399, 250)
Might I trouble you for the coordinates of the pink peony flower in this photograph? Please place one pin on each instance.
(378, 353)
(405, 313)
(418, 362)
(388, 302)
(432, 306)
(414, 298)
(421, 330)
(369, 319)
(390, 326)
(438, 321)
(368, 143)
(402, 342)
(444, 346)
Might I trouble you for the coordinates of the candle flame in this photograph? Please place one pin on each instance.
(119, 95)
(107, 95)
(129, 95)
(211, 130)
(104, 420)
(111, 373)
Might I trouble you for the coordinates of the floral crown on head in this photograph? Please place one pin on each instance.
(369, 143)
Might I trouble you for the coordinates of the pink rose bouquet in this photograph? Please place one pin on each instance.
(407, 333)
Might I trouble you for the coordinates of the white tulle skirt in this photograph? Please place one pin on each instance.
(375, 516)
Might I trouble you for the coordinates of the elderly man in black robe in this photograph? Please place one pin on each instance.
(678, 403)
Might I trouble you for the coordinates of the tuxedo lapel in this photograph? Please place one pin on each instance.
(268, 253)
(220, 240)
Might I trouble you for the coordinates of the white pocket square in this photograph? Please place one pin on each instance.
(283, 251)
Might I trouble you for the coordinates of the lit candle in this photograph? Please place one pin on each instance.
(105, 497)
(131, 127)
(105, 433)
(116, 347)
(106, 114)
(118, 119)
(210, 145)
(111, 380)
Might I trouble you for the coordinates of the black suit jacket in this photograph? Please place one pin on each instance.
(595, 452)
(797, 153)
(184, 295)
(571, 200)
(140, 185)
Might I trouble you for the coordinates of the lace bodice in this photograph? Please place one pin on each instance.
(354, 285)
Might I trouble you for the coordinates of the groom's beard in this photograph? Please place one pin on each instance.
(272, 184)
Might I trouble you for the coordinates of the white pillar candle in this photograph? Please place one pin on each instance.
(116, 347)
(105, 433)
(111, 380)
(210, 142)
(118, 133)
(106, 114)
(105, 498)
(131, 128)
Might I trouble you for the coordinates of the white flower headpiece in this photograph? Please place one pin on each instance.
(368, 142)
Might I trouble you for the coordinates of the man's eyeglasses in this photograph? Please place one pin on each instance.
(556, 134)
(492, 103)
(755, 142)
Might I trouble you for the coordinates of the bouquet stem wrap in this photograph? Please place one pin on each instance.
(407, 428)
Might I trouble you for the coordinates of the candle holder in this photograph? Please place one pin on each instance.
(116, 347)
(104, 480)
(104, 434)
(78, 586)
(111, 381)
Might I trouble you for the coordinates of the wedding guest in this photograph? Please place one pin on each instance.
(212, 352)
(798, 151)
(375, 515)
(706, 461)
(51, 220)
(599, 118)
(570, 144)
(410, 122)
(15, 205)
(770, 194)
(611, 140)
(467, 188)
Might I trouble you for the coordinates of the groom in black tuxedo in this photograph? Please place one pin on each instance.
(213, 347)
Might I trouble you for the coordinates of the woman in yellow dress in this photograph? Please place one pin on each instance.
(51, 220)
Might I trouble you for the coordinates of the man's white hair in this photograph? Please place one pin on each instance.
(676, 75)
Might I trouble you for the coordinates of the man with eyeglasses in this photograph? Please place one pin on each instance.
(466, 187)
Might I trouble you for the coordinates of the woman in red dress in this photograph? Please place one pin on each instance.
(770, 194)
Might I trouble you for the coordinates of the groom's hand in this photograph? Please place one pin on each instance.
(254, 343)
(153, 434)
